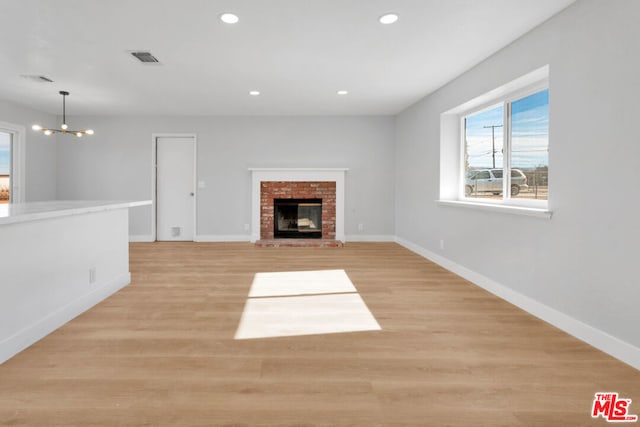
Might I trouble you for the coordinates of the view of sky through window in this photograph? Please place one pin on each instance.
(530, 131)
(529, 141)
(484, 150)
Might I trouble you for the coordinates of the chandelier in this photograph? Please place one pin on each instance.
(63, 127)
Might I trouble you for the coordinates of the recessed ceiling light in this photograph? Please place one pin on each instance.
(388, 18)
(229, 18)
(343, 92)
(254, 92)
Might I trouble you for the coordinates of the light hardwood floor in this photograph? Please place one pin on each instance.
(162, 352)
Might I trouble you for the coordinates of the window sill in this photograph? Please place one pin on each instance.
(507, 209)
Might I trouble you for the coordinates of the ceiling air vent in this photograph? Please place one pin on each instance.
(36, 78)
(145, 57)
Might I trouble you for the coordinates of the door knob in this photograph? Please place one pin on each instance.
(191, 193)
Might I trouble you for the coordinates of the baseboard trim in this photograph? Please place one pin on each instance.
(141, 238)
(597, 338)
(369, 238)
(14, 344)
(223, 238)
(247, 238)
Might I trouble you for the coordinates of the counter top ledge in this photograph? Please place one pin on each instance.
(33, 211)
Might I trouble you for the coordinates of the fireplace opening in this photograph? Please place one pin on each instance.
(297, 218)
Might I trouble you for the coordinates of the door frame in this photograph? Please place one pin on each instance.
(154, 177)
(18, 158)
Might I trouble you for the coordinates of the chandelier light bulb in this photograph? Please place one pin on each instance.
(36, 127)
(47, 132)
(89, 131)
(64, 126)
(79, 134)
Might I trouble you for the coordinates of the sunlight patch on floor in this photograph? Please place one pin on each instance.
(301, 283)
(303, 303)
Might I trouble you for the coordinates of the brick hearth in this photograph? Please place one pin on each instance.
(299, 243)
(325, 190)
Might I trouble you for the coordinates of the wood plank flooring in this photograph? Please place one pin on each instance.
(162, 352)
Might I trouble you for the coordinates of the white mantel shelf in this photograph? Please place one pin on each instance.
(300, 169)
(33, 211)
(259, 175)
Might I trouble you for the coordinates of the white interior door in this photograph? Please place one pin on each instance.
(175, 188)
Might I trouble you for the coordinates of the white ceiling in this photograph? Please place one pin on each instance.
(297, 53)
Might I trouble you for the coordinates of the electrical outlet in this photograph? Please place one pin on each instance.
(246, 227)
(92, 275)
(441, 244)
(360, 227)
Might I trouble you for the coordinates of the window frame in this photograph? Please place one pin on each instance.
(18, 156)
(505, 100)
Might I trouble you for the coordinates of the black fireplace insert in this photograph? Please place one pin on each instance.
(297, 218)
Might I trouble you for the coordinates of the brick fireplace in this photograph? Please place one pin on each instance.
(319, 185)
(299, 190)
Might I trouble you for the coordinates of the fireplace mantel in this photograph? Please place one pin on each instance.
(258, 175)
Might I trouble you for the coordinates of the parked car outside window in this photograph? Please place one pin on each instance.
(490, 181)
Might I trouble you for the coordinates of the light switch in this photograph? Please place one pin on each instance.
(202, 184)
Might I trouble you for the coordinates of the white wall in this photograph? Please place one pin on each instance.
(583, 261)
(40, 169)
(115, 163)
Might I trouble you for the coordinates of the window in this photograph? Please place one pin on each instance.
(5, 167)
(509, 138)
(494, 149)
(510, 135)
(529, 142)
(12, 157)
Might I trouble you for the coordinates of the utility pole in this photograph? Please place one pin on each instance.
(493, 142)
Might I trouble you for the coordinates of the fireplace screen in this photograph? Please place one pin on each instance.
(297, 218)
